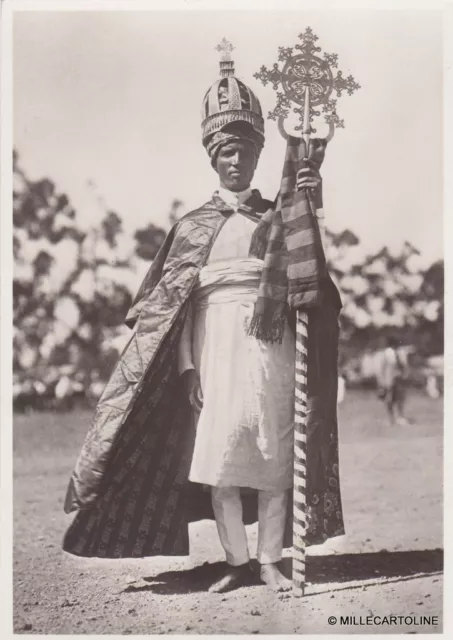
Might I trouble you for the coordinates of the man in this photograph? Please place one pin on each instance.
(212, 324)
(391, 375)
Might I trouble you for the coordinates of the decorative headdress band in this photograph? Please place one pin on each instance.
(229, 100)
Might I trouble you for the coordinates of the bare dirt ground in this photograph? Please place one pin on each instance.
(389, 562)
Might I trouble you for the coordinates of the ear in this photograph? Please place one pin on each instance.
(214, 161)
(257, 157)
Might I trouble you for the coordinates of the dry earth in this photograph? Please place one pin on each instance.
(389, 563)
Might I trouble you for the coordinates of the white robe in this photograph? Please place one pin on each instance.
(244, 432)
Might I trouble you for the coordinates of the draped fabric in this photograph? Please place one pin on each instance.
(289, 241)
(325, 514)
(130, 483)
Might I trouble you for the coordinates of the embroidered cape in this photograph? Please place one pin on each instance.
(130, 483)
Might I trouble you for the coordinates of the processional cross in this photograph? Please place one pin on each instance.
(305, 83)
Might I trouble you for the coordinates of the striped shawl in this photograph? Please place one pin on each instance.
(287, 238)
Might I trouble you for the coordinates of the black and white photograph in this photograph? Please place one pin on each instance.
(223, 304)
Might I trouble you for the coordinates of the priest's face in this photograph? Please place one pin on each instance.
(236, 164)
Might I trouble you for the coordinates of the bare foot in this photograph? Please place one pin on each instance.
(274, 578)
(235, 577)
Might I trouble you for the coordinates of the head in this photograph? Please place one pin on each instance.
(236, 163)
(392, 342)
(234, 153)
(232, 127)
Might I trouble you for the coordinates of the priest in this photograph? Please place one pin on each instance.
(197, 419)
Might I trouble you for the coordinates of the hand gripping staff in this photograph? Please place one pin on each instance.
(306, 81)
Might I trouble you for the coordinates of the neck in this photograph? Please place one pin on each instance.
(234, 198)
(222, 186)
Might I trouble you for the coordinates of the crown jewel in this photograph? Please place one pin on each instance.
(229, 99)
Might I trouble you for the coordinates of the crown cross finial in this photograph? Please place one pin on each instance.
(225, 48)
(226, 63)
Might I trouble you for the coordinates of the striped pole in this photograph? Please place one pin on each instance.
(300, 421)
(300, 455)
(289, 82)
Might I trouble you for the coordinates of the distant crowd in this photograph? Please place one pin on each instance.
(62, 389)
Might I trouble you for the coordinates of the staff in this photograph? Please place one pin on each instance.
(307, 80)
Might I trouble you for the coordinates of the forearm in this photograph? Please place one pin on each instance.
(322, 229)
(185, 359)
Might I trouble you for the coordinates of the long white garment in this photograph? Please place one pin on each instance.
(245, 428)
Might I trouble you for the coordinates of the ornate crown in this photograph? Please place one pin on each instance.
(229, 99)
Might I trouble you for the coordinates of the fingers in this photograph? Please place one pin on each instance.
(193, 400)
(308, 184)
(311, 185)
(311, 170)
(308, 177)
(198, 405)
(196, 398)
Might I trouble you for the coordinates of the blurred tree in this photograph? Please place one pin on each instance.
(386, 293)
(430, 307)
(149, 241)
(150, 238)
(72, 287)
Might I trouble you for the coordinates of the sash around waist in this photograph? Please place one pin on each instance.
(228, 281)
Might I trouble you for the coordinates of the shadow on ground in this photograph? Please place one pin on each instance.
(320, 570)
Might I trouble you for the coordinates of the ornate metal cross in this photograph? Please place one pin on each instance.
(225, 48)
(306, 79)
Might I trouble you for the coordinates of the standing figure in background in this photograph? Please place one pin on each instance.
(391, 383)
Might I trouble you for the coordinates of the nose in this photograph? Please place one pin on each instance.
(235, 158)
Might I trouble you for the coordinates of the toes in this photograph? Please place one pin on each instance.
(231, 582)
(283, 585)
(222, 586)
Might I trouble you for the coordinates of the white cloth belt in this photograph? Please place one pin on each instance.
(228, 281)
(224, 294)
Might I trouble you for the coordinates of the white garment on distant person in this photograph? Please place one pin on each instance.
(63, 388)
(388, 370)
(432, 388)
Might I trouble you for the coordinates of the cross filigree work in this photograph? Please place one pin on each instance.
(225, 48)
(303, 70)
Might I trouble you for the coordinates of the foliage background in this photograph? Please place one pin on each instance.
(74, 285)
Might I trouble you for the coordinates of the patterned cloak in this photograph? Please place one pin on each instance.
(130, 484)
